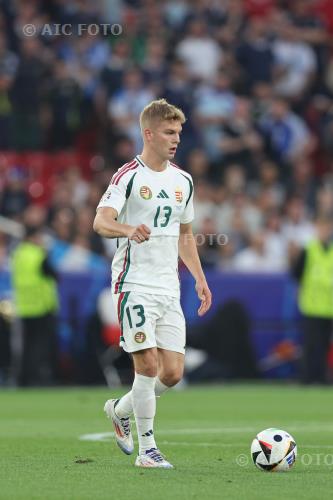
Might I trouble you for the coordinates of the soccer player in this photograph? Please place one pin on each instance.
(148, 207)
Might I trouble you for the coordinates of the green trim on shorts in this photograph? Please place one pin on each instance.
(122, 307)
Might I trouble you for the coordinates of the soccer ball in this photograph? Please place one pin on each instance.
(274, 450)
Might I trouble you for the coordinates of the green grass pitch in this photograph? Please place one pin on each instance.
(203, 431)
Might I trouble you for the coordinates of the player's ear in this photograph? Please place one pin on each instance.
(147, 134)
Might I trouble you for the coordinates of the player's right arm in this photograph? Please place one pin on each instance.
(106, 225)
(112, 203)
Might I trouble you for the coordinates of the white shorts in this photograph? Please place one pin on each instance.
(150, 321)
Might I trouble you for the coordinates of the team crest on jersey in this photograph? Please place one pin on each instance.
(140, 337)
(145, 192)
(179, 195)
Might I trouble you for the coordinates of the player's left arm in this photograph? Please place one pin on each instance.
(188, 252)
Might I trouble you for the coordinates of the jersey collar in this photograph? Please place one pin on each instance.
(142, 163)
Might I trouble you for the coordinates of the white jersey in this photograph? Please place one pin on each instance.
(162, 201)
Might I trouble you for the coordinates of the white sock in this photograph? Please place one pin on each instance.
(160, 388)
(144, 406)
(125, 408)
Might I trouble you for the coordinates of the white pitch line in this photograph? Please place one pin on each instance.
(187, 443)
(173, 432)
(231, 445)
(310, 427)
(108, 436)
(97, 436)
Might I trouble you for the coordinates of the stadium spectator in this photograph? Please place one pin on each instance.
(112, 73)
(236, 203)
(257, 256)
(268, 181)
(232, 24)
(301, 183)
(207, 242)
(204, 204)
(261, 100)
(286, 133)
(297, 226)
(179, 88)
(77, 186)
(198, 165)
(64, 101)
(154, 64)
(62, 224)
(8, 59)
(125, 106)
(255, 53)
(313, 269)
(84, 221)
(8, 68)
(14, 197)
(61, 199)
(215, 103)
(324, 204)
(240, 141)
(310, 28)
(198, 45)
(295, 63)
(275, 241)
(28, 95)
(34, 283)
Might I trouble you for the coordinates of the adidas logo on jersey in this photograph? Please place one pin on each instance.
(162, 194)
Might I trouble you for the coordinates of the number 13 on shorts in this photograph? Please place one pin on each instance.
(148, 321)
(139, 311)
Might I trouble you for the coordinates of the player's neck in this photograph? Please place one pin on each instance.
(153, 161)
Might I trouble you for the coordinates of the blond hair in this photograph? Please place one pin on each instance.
(158, 111)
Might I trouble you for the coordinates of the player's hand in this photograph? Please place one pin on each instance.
(204, 295)
(139, 233)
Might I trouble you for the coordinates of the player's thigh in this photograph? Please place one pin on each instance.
(170, 328)
(137, 314)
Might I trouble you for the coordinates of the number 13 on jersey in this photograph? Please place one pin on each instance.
(165, 213)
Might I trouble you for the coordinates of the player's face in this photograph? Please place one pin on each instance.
(165, 138)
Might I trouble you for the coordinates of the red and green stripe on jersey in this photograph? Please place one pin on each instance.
(122, 275)
(123, 170)
(128, 167)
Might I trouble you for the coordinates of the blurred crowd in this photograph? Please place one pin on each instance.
(254, 78)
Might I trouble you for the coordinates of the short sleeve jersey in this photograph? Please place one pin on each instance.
(162, 201)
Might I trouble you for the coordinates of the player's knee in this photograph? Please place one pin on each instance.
(172, 377)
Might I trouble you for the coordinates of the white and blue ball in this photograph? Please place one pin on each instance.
(274, 450)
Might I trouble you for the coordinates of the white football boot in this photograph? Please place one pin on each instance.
(152, 458)
(122, 427)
